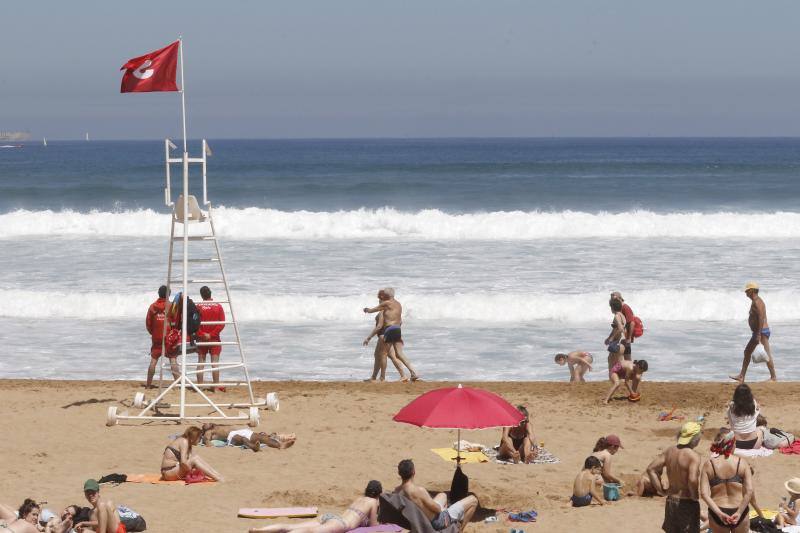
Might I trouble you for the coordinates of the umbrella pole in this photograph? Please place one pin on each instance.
(458, 448)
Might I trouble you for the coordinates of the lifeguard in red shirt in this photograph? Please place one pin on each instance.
(154, 323)
(210, 311)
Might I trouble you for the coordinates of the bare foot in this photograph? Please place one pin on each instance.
(737, 377)
(404, 379)
(150, 387)
(370, 380)
(415, 378)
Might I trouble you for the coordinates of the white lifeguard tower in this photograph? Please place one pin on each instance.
(187, 213)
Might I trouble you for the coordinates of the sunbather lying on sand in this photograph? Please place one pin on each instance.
(362, 512)
(27, 521)
(247, 437)
(178, 458)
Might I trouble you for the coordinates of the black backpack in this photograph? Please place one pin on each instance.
(763, 526)
(192, 318)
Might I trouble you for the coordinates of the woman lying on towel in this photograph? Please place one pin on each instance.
(27, 521)
(178, 459)
(247, 437)
(362, 512)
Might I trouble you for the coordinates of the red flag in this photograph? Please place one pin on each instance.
(151, 72)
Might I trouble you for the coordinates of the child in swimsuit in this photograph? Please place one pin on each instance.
(587, 483)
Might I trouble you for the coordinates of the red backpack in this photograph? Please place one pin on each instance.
(638, 327)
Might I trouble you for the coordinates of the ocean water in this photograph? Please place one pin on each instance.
(502, 251)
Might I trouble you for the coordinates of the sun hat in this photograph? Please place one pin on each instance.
(751, 285)
(92, 485)
(793, 485)
(613, 440)
(688, 431)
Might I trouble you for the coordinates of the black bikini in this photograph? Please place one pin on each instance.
(177, 455)
(716, 480)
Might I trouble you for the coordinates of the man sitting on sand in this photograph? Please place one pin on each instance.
(517, 443)
(103, 511)
(435, 509)
(392, 316)
(247, 437)
(588, 484)
(578, 362)
(682, 508)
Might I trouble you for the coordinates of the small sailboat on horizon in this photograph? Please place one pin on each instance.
(44, 141)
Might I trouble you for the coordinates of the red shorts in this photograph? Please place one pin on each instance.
(155, 350)
(214, 350)
(121, 528)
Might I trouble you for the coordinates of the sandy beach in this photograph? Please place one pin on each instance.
(56, 438)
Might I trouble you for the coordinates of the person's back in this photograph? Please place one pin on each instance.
(156, 315)
(585, 486)
(679, 463)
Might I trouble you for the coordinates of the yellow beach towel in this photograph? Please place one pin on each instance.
(769, 514)
(449, 454)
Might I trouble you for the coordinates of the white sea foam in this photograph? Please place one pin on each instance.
(486, 308)
(429, 224)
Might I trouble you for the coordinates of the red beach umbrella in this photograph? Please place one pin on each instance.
(459, 408)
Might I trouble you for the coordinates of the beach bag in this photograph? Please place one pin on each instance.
(459, 487)
(760, 354)
(774, 438)
(762, 525)
(133, 521)
(638, 327)
(192, 317)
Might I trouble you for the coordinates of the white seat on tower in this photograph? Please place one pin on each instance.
(195, 214)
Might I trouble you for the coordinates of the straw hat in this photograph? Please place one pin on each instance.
(793, 485)
(750, 285)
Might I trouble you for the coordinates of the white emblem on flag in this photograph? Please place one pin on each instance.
(143, 72)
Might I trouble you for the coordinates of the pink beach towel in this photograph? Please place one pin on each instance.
(376, 529)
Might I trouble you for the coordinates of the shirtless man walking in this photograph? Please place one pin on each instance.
(435, 509)
(682, 508)
(760, 328)
(392, 320)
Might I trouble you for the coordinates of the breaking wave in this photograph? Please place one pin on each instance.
(429, 224)
(483, 307)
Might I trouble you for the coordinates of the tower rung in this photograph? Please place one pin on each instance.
(216, 343)
(215, 322)
(175, 282)
(202, 260)
(197, 238)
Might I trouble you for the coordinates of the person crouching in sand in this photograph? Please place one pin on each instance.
(579, 364)
(587, 485)
(363, 512)
(178, 458)
(604, 449)
(628, 373)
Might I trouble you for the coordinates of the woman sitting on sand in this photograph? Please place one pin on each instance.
(743, 414)
(178, 459)
(616, 350)
(26, 523)
(628, 373)
(604, 449)
(517, 443)
(363, 512)
(578, 362)
(726, 486)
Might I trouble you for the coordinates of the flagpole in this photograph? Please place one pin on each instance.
(185, 296)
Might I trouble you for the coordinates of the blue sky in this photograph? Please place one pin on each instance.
(376, 68)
